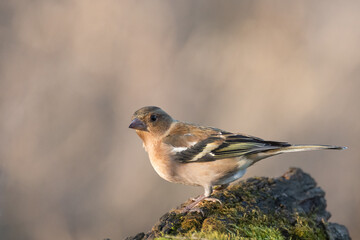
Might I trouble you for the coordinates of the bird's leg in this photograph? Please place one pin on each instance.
(205, 196)
(208, 191)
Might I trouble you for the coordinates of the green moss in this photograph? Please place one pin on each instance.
(191, 223)
(262, 232)
(241, 218)
(213, 224)
(253, 223)
(253, 233)
(305, 228)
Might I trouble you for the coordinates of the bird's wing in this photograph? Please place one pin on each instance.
(221, 145)
(236, 145)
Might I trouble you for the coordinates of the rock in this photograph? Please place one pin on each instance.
(290, 206)
(337, 232)
(138, 236)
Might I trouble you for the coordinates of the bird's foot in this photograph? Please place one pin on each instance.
(196, 201)
(206, 199)
(195, 209)
(212, 200)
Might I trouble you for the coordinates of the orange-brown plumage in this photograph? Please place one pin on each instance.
(203, 156)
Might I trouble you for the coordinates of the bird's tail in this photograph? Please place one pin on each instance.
(302, 148)
(292, 148)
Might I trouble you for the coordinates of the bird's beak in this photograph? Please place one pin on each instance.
(137, 124)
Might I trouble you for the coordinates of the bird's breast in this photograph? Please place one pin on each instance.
(162, 163)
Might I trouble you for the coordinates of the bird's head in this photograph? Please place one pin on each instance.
(150, 120)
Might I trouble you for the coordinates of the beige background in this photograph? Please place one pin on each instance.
(73, 72)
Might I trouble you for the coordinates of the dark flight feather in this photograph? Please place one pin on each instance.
(229, 146)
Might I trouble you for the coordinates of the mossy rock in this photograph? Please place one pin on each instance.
(287, 207)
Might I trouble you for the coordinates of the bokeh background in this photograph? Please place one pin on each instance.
(73, 72)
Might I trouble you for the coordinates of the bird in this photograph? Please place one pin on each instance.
(191, 154)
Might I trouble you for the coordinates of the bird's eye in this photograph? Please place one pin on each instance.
(153, 118)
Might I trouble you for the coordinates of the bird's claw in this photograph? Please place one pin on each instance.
(213, 200)
(193, 209)
(196, 201)
(198, 210)
(206, 199)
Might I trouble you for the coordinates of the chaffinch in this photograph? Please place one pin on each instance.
(202, 156)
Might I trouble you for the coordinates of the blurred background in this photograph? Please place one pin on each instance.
(73, 72)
